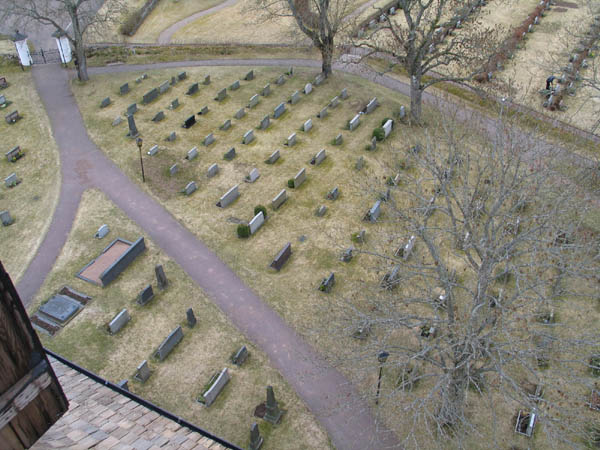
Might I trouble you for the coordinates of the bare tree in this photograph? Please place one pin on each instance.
(488, 302)
(73, 18)
(426, 37)
(320, 20)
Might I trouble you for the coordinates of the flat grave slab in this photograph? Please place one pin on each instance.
(60, 308)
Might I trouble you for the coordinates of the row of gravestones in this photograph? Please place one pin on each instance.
(13, 155)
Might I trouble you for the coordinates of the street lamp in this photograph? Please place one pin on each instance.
(139, 141)
(382, 358)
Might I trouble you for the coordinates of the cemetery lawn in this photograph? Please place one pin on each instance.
(176, 382)
(31, 203)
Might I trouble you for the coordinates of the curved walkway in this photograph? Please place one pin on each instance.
(328, 394)
(166, 35)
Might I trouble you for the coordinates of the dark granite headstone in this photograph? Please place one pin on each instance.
(191, 318)
(133, 131)
(239, 357)
(169, 344)
(189, 122)
(273, 413)
(161, 278)
(282, 257)
(146, 295)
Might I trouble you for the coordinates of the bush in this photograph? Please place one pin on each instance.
(260, 208)
(243, 231)
(130, 25)
(385, 120)
(291, 183)
(379, 133)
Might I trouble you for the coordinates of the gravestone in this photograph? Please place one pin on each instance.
(344, 94)
(138, 80)
(249, 76)
(6, 218)
(282, 257)
(291, 140)
(60, 308)
(318, 158)
(307, 126)
(119, 321)
(372, 105)
(373, 144)
(123, 384)
(338, 139)
(124, 89)
(252, 176)
(307, 89)
(117, 121)
(150, 96)
(158, 117)
(190, 188)
(102, 231)
(327, 283)
(319, 79)
(174, 81)
(323, 113)
(334, 103)
(131, 109)
(208, 397)
(191, 318)
(256, 222)
(248, 137)
(333, 194)
(290, 72)
(273, 413)
(229, 154)
(321, 210)
(221, 95)
(206, 81)
(181, 76)
(266, 91)
(347, 255)
(146, 295)
(209, 139)
(11, 180)
(402, 112)
(189, 122)
(192, 153)
(226, 125)
(203, 111)
(133, 131)
(169, 344)
(373, 214)
(161, 278)
(142, 373)
(265, 122)
(280, 80)
(192, 89)
(354, 123)
(212, 170)
(253, 101)
(387, 127)
(103, 104)
(299, 178)
(405, 250)
(229, 197)
(239, 357)
(274, 157)
(174, 104)
(164, 87)
(14, 154)
(279, 199)
(235, 85)
(12, 118)
(241, 113)
(295, 98)
(279, 110)
(173, 169)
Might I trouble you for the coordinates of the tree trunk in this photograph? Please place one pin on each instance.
(415, 98)
(78, 42)
(327, 56)
(82, 64)
(453, 399)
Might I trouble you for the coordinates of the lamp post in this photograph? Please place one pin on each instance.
(139, 141)
(382, 358)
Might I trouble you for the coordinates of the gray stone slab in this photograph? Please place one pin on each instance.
(119, 321)
(215, 389)
(274, 157)
(160, 116)
(252, 176)
(235, 85)
(323, 113)
(333, 194)
(299, 178)
(6, 218)
(203, 111)
(146, 295)
(229, 154)
(373, 214)
(102, 231)
(280, 80)
(190, 188)
(142, 373)
(240, 356)
(319, 157)
(153, 150)
(291, 140)
(212, 170)
(354, 123)
(334, 103)
(60, 308)
(189, 122)
(164, 87)
(373, 103)
(174, 104)
(173, 169)
(295, 98)
(181, 76)
(248, 137)
(169, 344)
(249, 76)
(253, 101)
(192, 154)
(131, 109)
(226, 125)
(161, 278)
(307, 126)
(282, 257)
(15, 153)
(221, 95)
(257, 222)
(133, 131)
(266, 91)
(150, 96)
(321, 210)
(387, 127)
(192, 89)
(344, 94)
(241, 113)
(206, 81)
(319, 79)
(279, 199)
(373, 143)
(229, 197)
(265, 122)
(124, 89)
(209, 139)
(103, 104)
(327, 283)
(190, 317)
(279, 110)
(11, 180)
(339, 139)
(307, 88)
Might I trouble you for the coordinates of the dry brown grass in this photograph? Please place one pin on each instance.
(175, 382)
(32, 202)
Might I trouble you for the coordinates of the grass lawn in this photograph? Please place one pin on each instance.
(176, 382)
(31, 203)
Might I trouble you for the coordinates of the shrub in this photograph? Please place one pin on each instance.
(379, 133)
(260, 208)
(385, 120)
(291, 183)
(243, 231)
(130, 24)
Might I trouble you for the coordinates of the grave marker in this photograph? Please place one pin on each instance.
(161, 278)
(291, 140)
(192, 153)
(191, 318)
(181, 76)
(279, 110)
(256, 222)
(189, 122)
(241, 113)
(226, 125)
(229, 197)
(221, 95)
(373, 144)
(338, 139)
(279, 199)
(190, 188)
(266, 91)
(321, 210)
(14, 154)
(11, 180)
(280, 80)
(117, 121)
(239, 357)
(171, 137)
(164, 87)
(274, 157)
(203, 111)
(209, 140)
(373, 214)
(334, 103)
(12, 118)
(319, 79)
(248, 137)
(295, 98)
(307, 126)
(253, 101)
(6, 218)
(124, 89)
(333, 194)
(307, 88)
(208, 397)
(118, 322)
(354, 123)
(146, 295)
(153, 150)
(252, 176)
(103, 104)
(142, 373)
(173, 169)
(235, 85)
(299, 178)
(133, 131)
(327, 283)
(229, 154)
(174, 104)
(387, 127)
(131, 109)
(318, 158)
(323, 113)
(249, 76)
(158, 117)
(206, 81)
(347, 255)
(360, 163)
(102, 231)
(372, 105)
(273, 413)
(265, 122)
(282, 257)
(169, 344)
(344, 94)
(212, 170)
(192, 89)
